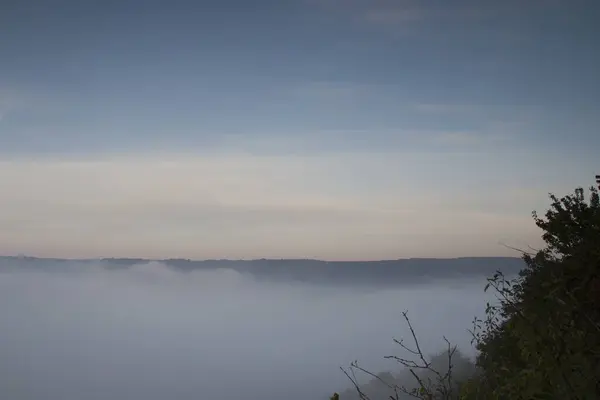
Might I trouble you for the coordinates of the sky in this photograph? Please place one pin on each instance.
(331, 129)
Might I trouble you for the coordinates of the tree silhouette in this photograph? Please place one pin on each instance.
(541, 340)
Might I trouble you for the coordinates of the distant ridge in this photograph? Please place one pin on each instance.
(377, 273)
(163, 260)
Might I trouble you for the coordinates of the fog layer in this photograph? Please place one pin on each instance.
(150, 332)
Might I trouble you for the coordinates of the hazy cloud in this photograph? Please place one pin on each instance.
(394, 15)
(446, 108)
(149, 332)
(466, 139)
(245, 206)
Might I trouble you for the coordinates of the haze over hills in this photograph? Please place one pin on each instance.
(329, 129)
(379, 273)
(263, 329)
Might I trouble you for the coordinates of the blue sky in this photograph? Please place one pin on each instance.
(337, 129)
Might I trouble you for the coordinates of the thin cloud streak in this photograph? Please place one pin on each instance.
(469, 139)
(446, 108)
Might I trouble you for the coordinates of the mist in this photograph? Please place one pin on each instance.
(151, 332)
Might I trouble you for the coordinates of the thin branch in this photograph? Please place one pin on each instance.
(426, 388)
(523, 252)
(388, 385)
(352, 379)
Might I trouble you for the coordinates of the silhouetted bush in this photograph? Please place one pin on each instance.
(541, 341)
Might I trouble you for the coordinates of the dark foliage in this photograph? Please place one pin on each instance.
(541, 340)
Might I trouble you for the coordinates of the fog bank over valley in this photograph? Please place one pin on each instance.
(265, 329)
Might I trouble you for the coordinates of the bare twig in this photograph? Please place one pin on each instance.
(517, 249)
(426, 388)
(352, 379)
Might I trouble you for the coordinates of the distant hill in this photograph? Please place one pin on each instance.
(364, 273)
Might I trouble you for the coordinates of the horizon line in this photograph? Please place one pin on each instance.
(23, 256)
